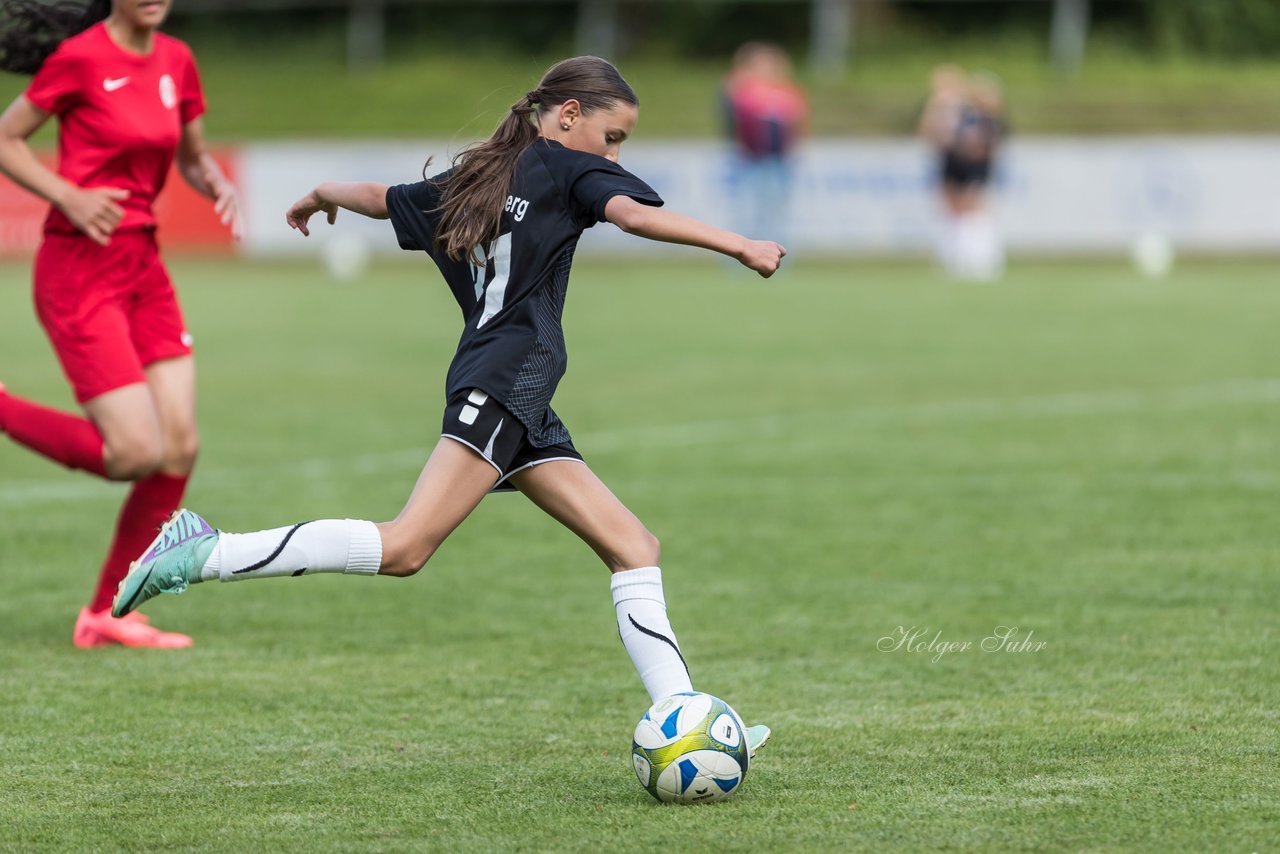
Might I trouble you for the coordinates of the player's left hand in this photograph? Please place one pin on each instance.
(226, 204)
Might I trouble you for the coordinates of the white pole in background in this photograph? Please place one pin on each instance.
(830, 36)
(1067, 35)
(366, 34)
(597, 31)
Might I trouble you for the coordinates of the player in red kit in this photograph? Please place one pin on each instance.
(128, 101)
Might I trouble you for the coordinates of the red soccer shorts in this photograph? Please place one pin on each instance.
(108, 310)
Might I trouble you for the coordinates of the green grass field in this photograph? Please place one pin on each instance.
(829, 458)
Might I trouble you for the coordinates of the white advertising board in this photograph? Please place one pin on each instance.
(1058, 195)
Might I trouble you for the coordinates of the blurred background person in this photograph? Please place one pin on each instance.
(963, 121)
(128, 100)
(767, 114)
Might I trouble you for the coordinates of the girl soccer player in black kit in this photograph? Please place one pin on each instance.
(502, 226)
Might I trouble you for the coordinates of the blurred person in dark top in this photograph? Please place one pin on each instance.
(963, 121)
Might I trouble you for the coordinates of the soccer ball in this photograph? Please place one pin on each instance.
(690, 748)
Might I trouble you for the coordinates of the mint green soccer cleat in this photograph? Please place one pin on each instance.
(756, 737)
(171, 563)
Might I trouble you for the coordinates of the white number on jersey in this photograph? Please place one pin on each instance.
(496, 291)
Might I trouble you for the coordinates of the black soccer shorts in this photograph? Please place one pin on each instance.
(486, 426)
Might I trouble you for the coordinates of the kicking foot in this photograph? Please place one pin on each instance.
(101, 629)
(171, 563)
(756, 737)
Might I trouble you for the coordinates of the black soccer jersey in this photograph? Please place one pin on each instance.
(513, 343)
(967, 160)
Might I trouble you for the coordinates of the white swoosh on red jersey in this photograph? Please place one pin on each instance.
(112, 85)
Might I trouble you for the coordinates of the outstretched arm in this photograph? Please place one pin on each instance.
(365, 198)
(626, 213)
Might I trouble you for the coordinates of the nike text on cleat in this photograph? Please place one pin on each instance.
(171, 563)
(756, 737)
(102, 629)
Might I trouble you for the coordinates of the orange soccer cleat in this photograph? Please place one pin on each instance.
(102, 629)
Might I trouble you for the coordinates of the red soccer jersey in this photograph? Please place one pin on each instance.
(120, 116)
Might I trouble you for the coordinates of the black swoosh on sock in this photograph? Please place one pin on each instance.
(651, 633)
(275, 554)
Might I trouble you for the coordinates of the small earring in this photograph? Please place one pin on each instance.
(564, 126)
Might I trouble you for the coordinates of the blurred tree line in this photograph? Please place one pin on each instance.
(1214, 27)
(1218, 28)
(711, 28)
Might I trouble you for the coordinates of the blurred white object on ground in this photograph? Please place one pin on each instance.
(1152, 255)
(345, 256)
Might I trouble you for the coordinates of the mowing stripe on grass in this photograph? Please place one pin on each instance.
(1066, 404)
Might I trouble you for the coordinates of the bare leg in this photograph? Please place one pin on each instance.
(453, 482)
(571, 493)
(173, 392)
(133, 444)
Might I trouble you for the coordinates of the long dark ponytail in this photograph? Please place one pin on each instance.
(30, 30)
(471, 209)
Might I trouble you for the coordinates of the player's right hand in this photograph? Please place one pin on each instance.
(94, 211)
(303, 209)
(763, 256)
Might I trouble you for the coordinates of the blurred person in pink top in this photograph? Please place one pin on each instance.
(768, 115)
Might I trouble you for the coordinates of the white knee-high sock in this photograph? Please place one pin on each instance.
(646, 632)
(326, 545)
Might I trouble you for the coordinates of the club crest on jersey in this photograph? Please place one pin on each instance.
(517, 207)
(168, 92)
